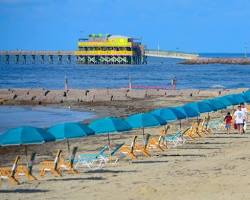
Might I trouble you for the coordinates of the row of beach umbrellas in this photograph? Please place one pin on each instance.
(27, 135)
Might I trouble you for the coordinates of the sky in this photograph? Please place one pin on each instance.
(185, 25)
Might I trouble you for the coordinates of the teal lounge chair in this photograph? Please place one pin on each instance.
(176, 139)
(91, 160)
(109, 157)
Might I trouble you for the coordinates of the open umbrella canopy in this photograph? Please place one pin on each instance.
(247, 96)
(190, 111)
(165, 114)
(200, 107)
(179, 112)
(224, 100)
(143, 120)
(239, 97)
(70, 130)
(25, 135)
(235, 99)
(217, 104)
(109, 125)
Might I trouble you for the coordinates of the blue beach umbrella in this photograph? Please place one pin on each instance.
(240, 98)
(235, 99)
(217, 104)
(144, 120)
(179, 112)
(165, 113)
(191, 112)
(70, 130)
(247, 96)
(224, 100)
(25, 135)
(109, 125)
(200, 106)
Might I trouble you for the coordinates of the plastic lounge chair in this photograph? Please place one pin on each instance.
(155, 143)
(9, 173)
(68, 165)
(51, 166)
(143, 148)
(193, 131)
(177, 138)
(216, 124)
(128, 150)
(113, 154)
(91, 159)
(26, 170)
(203, 129)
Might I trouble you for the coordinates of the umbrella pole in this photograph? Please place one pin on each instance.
(109, 141)
(109, 144)
(68, 146)
(143, 134)
(26, 153)
(180, 124)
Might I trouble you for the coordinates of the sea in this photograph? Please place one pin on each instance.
(157, 73)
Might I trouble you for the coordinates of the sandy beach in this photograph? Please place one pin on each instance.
(216, 166)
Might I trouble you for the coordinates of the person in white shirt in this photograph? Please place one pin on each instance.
(244, 109)
(239, 119)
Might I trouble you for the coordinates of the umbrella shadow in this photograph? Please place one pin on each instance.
(96, 178)
(183, 155)
(210, 143)
(149, 161)
(228, 137)
(198, 148)
(24, 191)
(110, 171)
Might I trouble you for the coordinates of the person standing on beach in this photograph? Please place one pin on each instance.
(228, 121)
(244, 109)
(239, 119)
(173, 83)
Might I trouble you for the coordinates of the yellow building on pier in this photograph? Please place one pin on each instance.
(110, 49)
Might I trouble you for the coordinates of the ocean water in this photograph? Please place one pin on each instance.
(38, 116)
(158, 72)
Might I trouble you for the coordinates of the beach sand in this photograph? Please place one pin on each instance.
(213, 167)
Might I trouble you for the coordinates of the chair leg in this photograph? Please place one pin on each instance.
(132, 155)
(13, 180)
(42, 172)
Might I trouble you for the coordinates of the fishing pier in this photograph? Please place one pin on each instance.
(96, 49)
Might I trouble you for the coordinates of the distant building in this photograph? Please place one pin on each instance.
(110, 49)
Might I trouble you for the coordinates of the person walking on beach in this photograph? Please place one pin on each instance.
(244, 109)
(228, 122)
(239, 119)
(173, 83)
